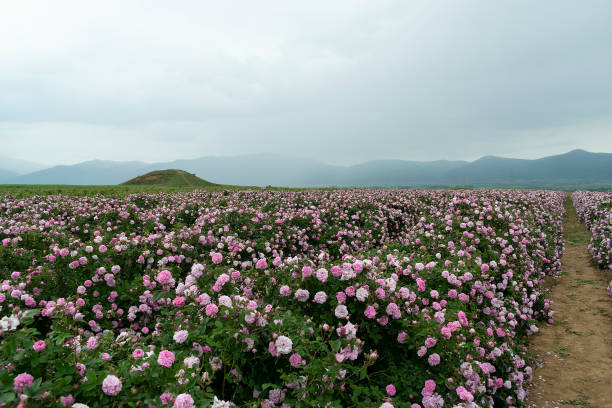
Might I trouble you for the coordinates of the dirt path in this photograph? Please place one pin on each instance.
(575, 351)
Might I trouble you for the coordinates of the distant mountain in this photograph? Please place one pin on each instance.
(95, 172)
(390, 173)
(6, 176)
(258, 170)
(573, 169)
(19, 166)
(276, 170)
(168, 178)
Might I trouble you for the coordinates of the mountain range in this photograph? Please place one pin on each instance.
(573, 169)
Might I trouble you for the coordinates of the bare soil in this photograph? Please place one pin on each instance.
(575, 352)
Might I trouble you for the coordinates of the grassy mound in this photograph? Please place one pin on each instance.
(169, 178)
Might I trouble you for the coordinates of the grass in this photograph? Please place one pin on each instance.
(110, 191)
(582, 400)
(28, 190)
(563, 352)
(574, 237)
(587, 281)
(574, 332)
(169, 178)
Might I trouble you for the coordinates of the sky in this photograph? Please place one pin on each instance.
(340, 81)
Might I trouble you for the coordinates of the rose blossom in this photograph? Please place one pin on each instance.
(111, 385)
(165, 358)
(284, 345)
(39, 346)
(22, 381)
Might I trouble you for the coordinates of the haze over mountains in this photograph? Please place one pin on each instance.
(573, 169)
(17, 166)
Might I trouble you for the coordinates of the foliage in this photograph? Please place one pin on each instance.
(274, 298)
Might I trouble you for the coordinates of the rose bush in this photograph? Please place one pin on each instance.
(263, 298)
(595, 210)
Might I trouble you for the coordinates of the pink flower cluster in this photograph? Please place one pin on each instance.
(208, 284)
(595, 210)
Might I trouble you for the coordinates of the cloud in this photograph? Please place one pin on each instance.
(342, 81)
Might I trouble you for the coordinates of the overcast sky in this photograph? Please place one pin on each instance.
(341, 81)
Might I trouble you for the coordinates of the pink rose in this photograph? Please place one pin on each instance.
(39, 346)
(165, 358)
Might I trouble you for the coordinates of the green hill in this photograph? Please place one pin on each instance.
(168, 178)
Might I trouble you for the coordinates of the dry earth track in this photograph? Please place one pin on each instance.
(576, 351)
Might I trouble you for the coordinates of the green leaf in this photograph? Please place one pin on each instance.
(8, 397)
(266, 386)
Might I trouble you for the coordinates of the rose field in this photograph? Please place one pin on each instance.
(260, 298)
(595, 210)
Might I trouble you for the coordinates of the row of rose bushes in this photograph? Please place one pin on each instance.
(595, 210)
(269, 299)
